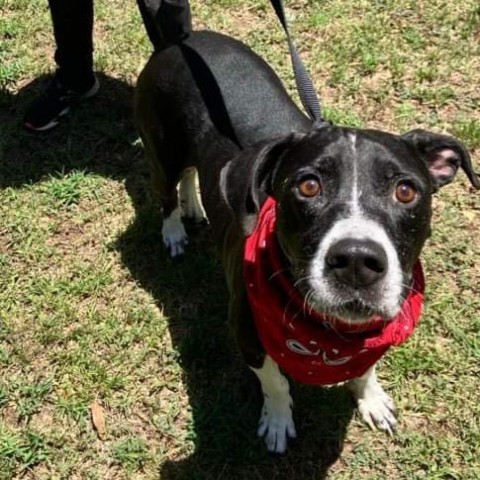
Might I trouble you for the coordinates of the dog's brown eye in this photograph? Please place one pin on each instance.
(310, 187)
(405, 192)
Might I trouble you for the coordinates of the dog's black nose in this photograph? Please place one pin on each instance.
(358, 263)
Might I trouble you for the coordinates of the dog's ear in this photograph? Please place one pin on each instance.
(247, 180)
(443, 155)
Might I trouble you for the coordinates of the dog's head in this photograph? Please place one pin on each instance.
(353, 210)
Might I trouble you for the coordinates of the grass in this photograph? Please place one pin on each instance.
(92, 309)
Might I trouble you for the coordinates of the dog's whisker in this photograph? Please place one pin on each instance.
(284, 317)
(303, 279)
(410, 288)
(278, 272)
(306, 302)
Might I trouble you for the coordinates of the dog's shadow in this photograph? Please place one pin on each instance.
(223, 394)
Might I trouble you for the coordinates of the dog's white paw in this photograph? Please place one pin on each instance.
(174, 235)
(276, 425)
(378, 411)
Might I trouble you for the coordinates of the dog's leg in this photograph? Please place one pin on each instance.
(173, 232)
(165, 174)
(189, 200)
(374, 405)
(276, 423)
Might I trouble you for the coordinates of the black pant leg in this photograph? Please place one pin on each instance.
(73, 28)
(149, 10)
(165, 20)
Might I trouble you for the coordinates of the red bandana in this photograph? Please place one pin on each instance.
(304, 344)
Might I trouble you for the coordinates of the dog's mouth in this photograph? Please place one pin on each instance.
(352, 311)
(352, 307)
(356, 311)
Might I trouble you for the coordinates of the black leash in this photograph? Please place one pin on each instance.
(304, 82)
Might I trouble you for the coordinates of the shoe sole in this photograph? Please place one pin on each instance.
(53, 123)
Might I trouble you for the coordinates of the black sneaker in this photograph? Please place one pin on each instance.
(46, 111)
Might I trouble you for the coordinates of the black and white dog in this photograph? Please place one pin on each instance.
(350, 208)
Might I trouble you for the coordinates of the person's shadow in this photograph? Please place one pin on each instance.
(97, 137)
(224, 395)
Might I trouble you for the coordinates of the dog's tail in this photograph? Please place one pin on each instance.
(166, 21)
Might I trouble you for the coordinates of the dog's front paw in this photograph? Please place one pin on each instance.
(174, 235)
(276, 425)
(378, 411)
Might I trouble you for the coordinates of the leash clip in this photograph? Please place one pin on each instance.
(321, 123)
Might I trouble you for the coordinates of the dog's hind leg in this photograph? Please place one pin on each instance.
(276, 422)
(375, 406)
(189, 199)
(165, 175)
(173, 232)
(174, 236)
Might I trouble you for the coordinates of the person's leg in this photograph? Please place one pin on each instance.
(74, 80)
(165, 20)
(73, 29)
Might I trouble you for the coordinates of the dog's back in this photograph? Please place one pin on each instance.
(198, 103)
(212, 80)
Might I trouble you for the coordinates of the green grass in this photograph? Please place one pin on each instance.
(92, 309)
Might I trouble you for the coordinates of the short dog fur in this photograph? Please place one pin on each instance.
(209, 104)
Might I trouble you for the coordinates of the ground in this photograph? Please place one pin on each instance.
(92, 312)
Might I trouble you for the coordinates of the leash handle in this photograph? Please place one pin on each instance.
(304, 82)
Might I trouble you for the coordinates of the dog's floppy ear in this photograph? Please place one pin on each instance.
(248, 179)
(443, 155)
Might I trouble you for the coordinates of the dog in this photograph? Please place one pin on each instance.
(318, 229)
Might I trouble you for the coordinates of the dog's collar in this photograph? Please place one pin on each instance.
(311, 347)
